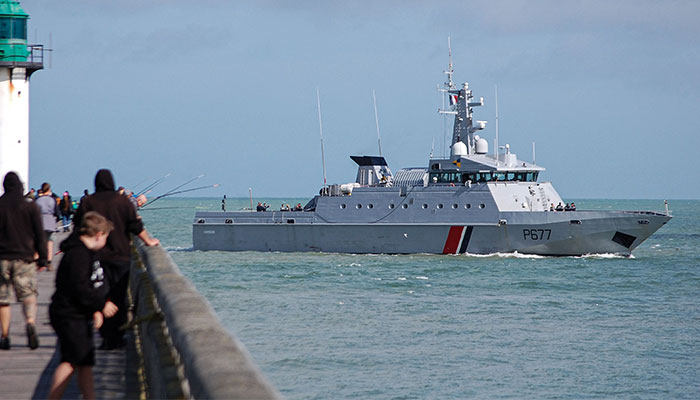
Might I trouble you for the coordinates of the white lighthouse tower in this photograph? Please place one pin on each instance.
(17, 63)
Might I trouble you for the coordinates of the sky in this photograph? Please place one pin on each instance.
(608, 91)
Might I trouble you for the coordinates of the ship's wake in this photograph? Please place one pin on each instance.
(515, 254)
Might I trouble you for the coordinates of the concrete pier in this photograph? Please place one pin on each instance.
(177, 347)
(185, 350)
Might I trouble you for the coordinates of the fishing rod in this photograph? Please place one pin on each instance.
(179, 192)
(178, 187)
(189, 190)
(133, 187)
(152, 185)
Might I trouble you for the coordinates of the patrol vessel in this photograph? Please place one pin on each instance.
(472, 202)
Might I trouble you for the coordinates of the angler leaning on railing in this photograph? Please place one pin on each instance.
(184, 350)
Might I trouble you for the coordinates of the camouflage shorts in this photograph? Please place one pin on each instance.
(21, 276)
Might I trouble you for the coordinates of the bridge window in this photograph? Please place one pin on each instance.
(486, 176)
(483, 177)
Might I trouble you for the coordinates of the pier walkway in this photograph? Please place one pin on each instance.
(176, 348)
(26, 374)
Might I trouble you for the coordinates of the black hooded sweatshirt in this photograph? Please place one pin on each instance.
(116, 208)
(21, 229)
(80, 288)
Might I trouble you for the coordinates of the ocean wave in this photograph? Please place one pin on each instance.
(179, 248)
(526, 256)
(604, 255)
(505, 255)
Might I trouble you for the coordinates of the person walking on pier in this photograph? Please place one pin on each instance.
(114, 257)
(21, 237)
(78, 302)
(66, 207)
(49, 213)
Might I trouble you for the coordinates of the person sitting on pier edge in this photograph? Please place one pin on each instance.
(115, 257)
(560, 207)
(284, 207)
(21, 237)
(551, 207)
(298, 207)
(567, 207)
(260, 207)
(78, 302)
(573, 207)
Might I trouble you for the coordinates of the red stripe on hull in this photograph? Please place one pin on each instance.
(453, 238)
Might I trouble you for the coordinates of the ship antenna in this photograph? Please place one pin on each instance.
(449, 85)
(320, 127)
(495, 148)
(376, 120)
(449, 71)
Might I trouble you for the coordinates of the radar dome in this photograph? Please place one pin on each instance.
(459, 149)
(482, 146)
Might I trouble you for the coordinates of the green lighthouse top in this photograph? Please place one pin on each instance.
(13, 32)
(12, 8)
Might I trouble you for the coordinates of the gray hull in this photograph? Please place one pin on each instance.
(543, 233)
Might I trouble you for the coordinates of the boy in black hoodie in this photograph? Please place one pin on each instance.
(79, 300)
(115, 256)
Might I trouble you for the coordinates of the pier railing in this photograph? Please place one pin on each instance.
(184, 350)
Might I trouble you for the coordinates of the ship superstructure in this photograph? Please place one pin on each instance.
(470, 202)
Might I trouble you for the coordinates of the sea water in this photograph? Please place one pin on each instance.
(347, 326)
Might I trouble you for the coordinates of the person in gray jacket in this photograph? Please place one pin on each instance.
(49, 214)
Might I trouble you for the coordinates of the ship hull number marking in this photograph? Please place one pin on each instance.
(537, 234)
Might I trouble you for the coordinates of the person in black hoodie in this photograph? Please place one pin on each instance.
(21, 237)
(114, 257)
(79, 301)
